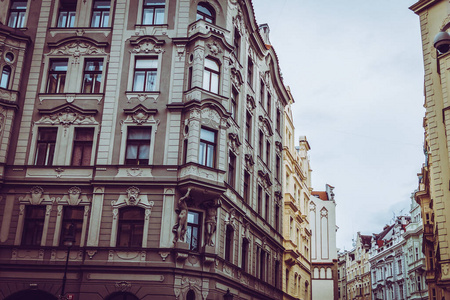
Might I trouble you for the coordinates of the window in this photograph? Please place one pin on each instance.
(66, 16)
(278, 124)
(269, 105)
(236, 43)
(234, 101)
(82, 146)
(6, 75)
(145, 74)
(189, 78)
(261, 144)
(33, 225)
(259, 208)
(193, 230)
(262, 264)
(231, 169)
(211, 75)
(250, 72)
(131, 227)
(205, 12)
(72, 215)
(277, 268)
(248, 127)
(246, 187)
(267, 207)
(100, 13)
(57, 76)
(45, 149)
(17, 14)
(277, 218)
(138, 145)
(190, 295)
(207, 148)
(262, 92)
(278, 168)
(153, 12)
(244, 255)
(92, 77)
(267, 152)
(229, 243)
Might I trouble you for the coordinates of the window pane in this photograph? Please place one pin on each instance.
(62, 19)
(102, 4)
(151, 77)
(148, 17)
(6, 73)
(215, 83)
(204, 10)
(144, 151)
(159, 15)
(60, 66)
(207, 135)
(96, 19)
(132, 151)
(201, 154)
(139, 133)
(211, 64)
(206, 79)
(146, 63)
(139, 79)
(105, 19)
(210, 156)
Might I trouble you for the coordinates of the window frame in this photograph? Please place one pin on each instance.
(49, 143)
(67, 8)
(102, 16)
(78, 224)
(146, 71)
(210, 74)
(152, 7)
(237, 43)
(4, 84)
(246, 187)
(61, 76)
(229, 242)
(234, 104)
(208, 143)
(232, 169)
(203, 16)
(199, 230)
(250, 71)
(139, 143)
(23, 18)
(95, 74)
(248, 127)
(36, 227)
(133, 223)
(83, 143)
(131, 93)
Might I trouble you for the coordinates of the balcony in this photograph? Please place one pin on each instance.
(203, 27)
(8, 96)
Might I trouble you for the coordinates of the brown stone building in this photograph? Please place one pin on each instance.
(150, 131)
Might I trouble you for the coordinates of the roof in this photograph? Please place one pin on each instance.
(366, 240)
(320, 195)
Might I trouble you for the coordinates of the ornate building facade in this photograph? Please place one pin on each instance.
(387, 261)
(324, 263)
(148, 135)
(296, 229)
(433, 194)
(342, 275)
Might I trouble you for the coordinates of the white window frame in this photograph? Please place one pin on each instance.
(152, 124)
(141, 10)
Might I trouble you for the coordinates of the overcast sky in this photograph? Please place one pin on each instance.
(356, 73)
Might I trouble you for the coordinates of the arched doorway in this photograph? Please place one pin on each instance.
(122, 296)
(31, 294)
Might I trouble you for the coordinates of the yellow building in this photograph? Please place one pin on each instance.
(296, 229)
(434, 193)
(358, 269)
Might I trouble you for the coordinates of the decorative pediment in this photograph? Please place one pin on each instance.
(36, 197)
(133, 198)
(249, 162)
(140, 114)
(76, 47)
(74, 197)
(265, 178)
(265, 124)
(236, 77)
(324, 213)
(66, 115)
(251, 104)
(234, 142)
(146, 45)
(278, 196)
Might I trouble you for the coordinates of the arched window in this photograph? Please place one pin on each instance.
(190, 295)
(206, 12)
(131, 227)
(211, 75)
(6, 75)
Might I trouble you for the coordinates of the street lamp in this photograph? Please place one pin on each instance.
(228, 295)
(68, 241)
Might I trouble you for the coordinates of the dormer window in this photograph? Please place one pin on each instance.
(206, 12)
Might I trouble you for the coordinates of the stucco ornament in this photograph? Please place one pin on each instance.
(66, 118)
(74, 195)
(180, 227)
(214, 48)
(133, 195)
(77, 49)
(147, 46)
(140, 117)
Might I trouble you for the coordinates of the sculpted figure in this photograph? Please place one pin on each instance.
(211, 222)
(182, 210)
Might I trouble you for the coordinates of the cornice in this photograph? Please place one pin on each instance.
(419, 6)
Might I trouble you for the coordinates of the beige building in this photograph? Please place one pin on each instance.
(324, 263)
(358, 282)
(296, 229)
(342, 275)
(433, 195)
(146, 137)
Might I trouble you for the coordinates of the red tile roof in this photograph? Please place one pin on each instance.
(320, 195)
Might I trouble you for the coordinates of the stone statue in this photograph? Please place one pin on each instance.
(211, 221)
(179, 229)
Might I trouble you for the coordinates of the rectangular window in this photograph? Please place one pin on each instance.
(248, 127)
(92, 77)
(236, 43)
(33, 225)
(66, 16)
(138, 145)
(229, 243)
(231, 169)
(277, 218)
(262, 91)
(57, 76)
(145, 71)
(267, 208)
(234, 101)
(244, 255)
(17, 13)
(206, 155)
(45, 148)
(261, 144)
(211, 75)
(262, 265)
(246, 187)
(278, 168)
(189, 78)
(100, 13)
(153, 12)
(193, 230)
(131, 227)
(259, 208)
(250, 72)
(82, 146)
(278, 124)
(267, 152)
(269, 105)
(72, 215)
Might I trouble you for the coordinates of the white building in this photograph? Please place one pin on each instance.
(323, 244)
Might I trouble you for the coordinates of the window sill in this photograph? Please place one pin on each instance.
(142, 96)
(70, 97)
(79, 31)
(157, 29)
